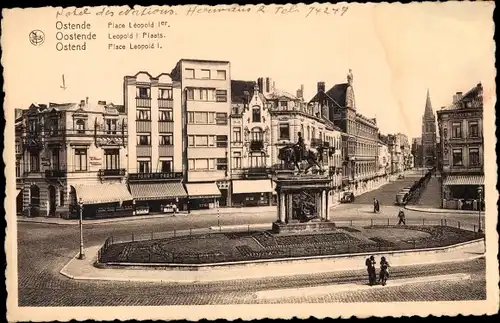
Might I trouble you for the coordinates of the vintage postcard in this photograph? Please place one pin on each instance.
(250, 161)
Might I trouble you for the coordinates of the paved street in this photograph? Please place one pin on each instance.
(431, 197)
(387, 194)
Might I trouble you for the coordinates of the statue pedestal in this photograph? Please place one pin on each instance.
(302, 204)
(305, 227)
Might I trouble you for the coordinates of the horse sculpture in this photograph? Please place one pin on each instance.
(293, 155)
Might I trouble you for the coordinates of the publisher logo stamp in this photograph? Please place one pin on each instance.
(37, 37)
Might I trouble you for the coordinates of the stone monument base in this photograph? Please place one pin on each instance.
(305, 227)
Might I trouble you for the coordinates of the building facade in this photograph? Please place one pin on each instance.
(206, 106)
(384, 160)
(417, 152)
(251, 146)
(360, 142)
(462, 150)
(429, 157)
(73, 154)
(155, 165)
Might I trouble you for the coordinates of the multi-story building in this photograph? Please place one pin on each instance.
(71, 154)
(206, 106)
(290, 115)
(462, 150)
(250, 146)
(155, 165)
(429, 157)
(361, 139)
(384, 159)
(416, 150)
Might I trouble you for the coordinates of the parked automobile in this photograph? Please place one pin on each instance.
(347, 197)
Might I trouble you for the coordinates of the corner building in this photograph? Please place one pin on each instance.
(153, 107)
(205, 104)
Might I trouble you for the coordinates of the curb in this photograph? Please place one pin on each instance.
(440, 211)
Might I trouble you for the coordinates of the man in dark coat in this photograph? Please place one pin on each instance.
(402, 218)
(370, 266)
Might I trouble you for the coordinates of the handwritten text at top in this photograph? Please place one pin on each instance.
(307, 11)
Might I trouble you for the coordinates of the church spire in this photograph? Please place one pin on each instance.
(428, 107)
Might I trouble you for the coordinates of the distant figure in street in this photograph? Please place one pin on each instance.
(401, 216)
(174, 207)
(370, 267)
(376, 206)
(384, 271)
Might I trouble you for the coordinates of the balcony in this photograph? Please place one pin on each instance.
(143, 102)
(143, 151)
(159, 176)
(55, 173)
(256, 145)
(119, 172)
(166, 150)
(165, 103)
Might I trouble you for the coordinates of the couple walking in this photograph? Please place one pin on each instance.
(372, 273)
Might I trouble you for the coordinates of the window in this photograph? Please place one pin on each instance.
(55, 158)
(256, 114)
(284, 104)
(112, 159)
(34, 162)
(221, 118)
(189, 73)
(457, 157)
(203, 94)
(166, 139)
(221, 95)
(144, 115)
(257, 159)
(221, 74)
(190, 94)
(80, 159)
(201, 164)
(221, 163)
(474, 157)
(143, 92)
(144, 166)
(473, 129)
(205, 74)
(111, 126)
(191, 141)
(18, 170)
(201, 117)
(166, 166)
(221, 141)
(256, 134)
(236, 134)
(190, 164)
(54, 126)
(143, 140)
(80, 126)
(456, 130)
(237, 160)
(284, 133)
(18, 148)
(165, 94)
(204, 141)
(166, 115)
(33, 126)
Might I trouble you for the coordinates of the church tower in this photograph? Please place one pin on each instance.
(428, 135)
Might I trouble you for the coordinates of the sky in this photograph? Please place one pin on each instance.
(396, 52)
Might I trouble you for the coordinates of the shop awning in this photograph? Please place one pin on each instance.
(102, 193)
(464, 180)
(157, 191)
(202, 190)
(252, 186)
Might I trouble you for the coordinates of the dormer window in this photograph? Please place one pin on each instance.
(256, 117)
(111, 125)
(80, 126)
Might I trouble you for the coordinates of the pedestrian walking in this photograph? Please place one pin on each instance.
(370, 267)
(376, 206)
(384, 271)
(402, 218)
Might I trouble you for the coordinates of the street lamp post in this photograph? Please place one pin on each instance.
(479, 192)
(81, 256)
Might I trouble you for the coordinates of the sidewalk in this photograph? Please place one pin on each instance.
(85, 270)
(222, 211)
(436, 210)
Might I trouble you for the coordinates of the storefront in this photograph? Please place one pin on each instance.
(258, 192)
(158, 197)
(460, 192)
(101, 201)
(203, 195)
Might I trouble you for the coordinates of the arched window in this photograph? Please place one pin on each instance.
(256, 117)
(256, 134)
(80, 126)
(257, 160)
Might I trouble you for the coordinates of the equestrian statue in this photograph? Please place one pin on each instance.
(292, 155)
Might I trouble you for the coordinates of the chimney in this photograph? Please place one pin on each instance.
(457, 97)
(82, 103)
(321, 86)
(101, 102)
